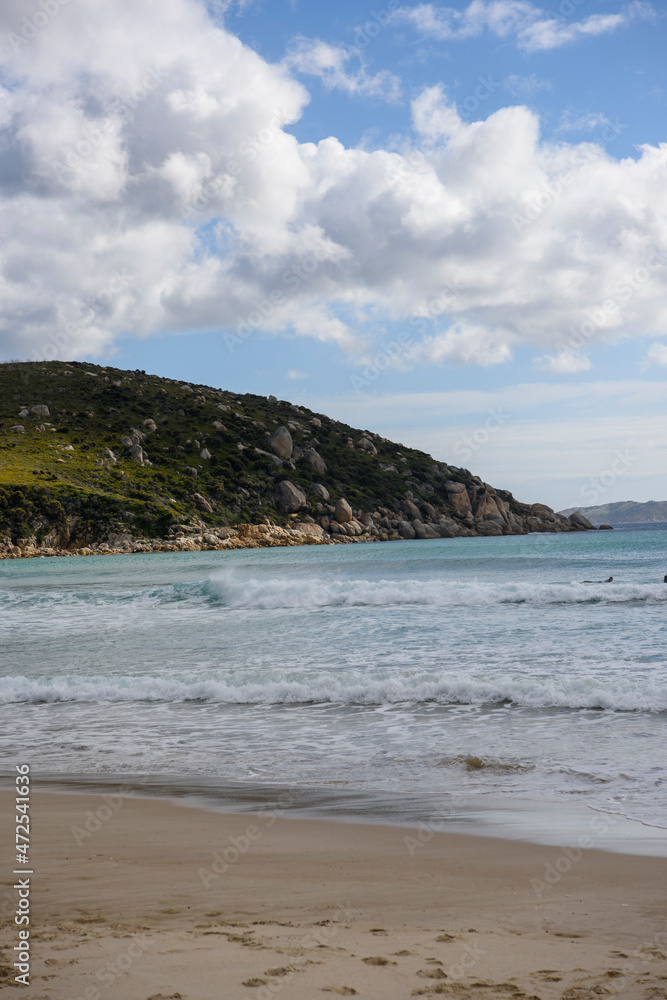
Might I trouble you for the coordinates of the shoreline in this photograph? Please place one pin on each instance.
(138, 898)
(254, 536)
(532, 821)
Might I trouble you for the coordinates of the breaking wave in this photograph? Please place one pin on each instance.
(619, 693)
(266, 594)
(234, 591)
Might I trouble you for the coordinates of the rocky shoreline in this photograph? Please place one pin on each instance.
(339, 525)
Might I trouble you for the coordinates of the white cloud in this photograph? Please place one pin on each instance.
(533, 28)
(148, 184)
(294, 373)
(656, 355)
(585, 121)
(314, 57)
(563, 363)
(465, 344)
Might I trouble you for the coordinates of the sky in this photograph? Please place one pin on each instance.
(443, 223)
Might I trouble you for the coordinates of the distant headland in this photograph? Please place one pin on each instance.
(623, 512)
(97, 460)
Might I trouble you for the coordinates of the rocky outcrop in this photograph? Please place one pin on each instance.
(201, 503)
(320, 491)
(343, 512)
(411, 509)
(367, 445)
(315, 460)
(290, 497)
(281, 443)
(579, 521)
(458, 499)
(340, 525)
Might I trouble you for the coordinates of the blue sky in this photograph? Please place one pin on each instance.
(460, 210)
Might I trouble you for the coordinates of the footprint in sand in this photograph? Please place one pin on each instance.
(378, 960)
(444, 938)
(436, 973)
(343, 991)
(255, 982)
(548, 976)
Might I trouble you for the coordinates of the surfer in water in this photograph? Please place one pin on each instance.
(603, 581)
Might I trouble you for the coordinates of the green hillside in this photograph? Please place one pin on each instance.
(88, 452)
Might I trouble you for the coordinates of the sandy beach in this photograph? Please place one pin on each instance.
(143, 899)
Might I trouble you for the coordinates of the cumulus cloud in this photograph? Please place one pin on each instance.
(464, 343)
(149, 183)
(533, 28)
(656, 355)
(313, 57)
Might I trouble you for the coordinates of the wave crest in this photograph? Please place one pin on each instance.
(568, 693)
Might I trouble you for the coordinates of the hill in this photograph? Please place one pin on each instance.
(623, 512)
(97, 459)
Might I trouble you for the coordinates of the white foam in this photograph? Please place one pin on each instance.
(616, 693)
(306, 592)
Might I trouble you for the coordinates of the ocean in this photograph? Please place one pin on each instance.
(479, 681)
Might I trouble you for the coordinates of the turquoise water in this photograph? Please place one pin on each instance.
(377, 669)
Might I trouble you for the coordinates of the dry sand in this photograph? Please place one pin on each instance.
(301, 909)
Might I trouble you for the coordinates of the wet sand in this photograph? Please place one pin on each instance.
(142, 899)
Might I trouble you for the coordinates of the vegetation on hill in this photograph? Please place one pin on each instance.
(88, 453)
